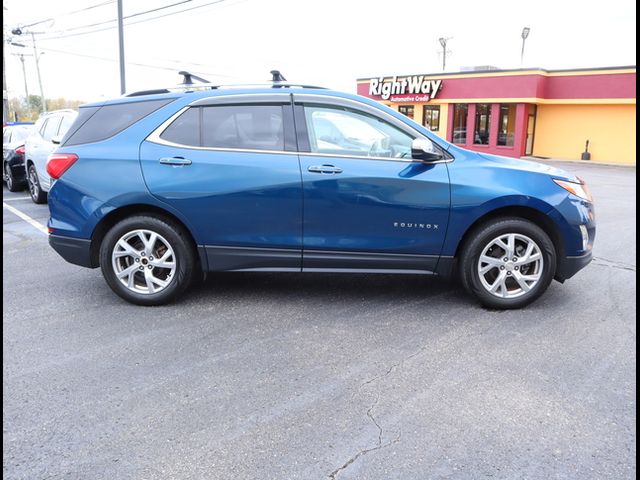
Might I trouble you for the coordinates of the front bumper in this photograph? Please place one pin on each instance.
(73, 250)
(569, 266)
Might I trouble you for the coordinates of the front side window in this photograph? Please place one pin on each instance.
(431, 117)
(406, 110)
(251, 127)
(483, 121)
(50, 128)
(342, 131)
(507, 125)
(460, 112)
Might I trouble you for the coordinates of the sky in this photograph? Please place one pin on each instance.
(329, 43)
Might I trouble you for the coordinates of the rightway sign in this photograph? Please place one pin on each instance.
(409, 89)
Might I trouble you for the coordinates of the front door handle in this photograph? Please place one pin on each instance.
(325, 169)
(175, 161)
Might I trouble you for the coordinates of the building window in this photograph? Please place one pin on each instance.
(507, 125)
(483, 121)
(431, 117)
(406, 110)
(460, 112)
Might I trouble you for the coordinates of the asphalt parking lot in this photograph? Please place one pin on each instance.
(308, 376)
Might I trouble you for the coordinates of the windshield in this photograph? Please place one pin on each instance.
(19, 134)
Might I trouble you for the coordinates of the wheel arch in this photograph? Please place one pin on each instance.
(120, 213)
(532, 214)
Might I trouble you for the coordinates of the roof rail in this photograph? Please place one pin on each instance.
(188, 85)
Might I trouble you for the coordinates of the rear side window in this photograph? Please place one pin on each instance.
(254, 127)
(108, 120)
(184, 130)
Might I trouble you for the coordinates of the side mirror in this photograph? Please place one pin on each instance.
(423, 149)
(56, 139)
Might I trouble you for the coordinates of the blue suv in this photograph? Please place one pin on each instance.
(159, 187)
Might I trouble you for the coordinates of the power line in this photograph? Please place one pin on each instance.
(69, 13)
(94, 57)
(133, 23)
(128, 16)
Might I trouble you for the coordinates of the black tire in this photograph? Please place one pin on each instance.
(179, 241)
(9, 179)
(35, 190)
(481, 238)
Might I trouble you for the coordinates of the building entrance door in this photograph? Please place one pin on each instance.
(531, 127)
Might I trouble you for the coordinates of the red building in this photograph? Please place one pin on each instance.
(522, 112)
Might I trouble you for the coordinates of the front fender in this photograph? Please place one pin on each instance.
(464, 216)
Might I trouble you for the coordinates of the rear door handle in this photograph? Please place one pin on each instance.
(326, 169)
(175, 161)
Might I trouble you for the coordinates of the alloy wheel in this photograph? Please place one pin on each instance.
(8, 177)
(143, 261)
(32, 180)
(510, 265)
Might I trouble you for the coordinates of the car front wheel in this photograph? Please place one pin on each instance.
(147, 260)
(508, 263)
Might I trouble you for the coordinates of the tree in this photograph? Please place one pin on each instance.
(20, 111)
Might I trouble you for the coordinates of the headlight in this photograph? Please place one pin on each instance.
(579, 189)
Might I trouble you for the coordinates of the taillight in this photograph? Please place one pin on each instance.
(58, 163)
(20, 150)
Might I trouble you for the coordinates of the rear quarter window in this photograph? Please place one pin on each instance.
(50, 129)
(67, 121)
(99, 123)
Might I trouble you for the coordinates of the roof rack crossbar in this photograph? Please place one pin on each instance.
(188, 84)
(188, 78)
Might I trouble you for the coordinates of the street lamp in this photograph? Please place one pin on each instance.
(443, 43)
(524, 35)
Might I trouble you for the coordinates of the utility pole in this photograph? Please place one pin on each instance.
(121, 47)
(5, 94)
(524, 35)
(443, 42)
(26, 86)
(37, 58)
(18, 31)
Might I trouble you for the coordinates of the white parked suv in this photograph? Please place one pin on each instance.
(46, 136)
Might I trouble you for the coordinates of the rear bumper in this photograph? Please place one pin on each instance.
(569, 266)
(73, 250)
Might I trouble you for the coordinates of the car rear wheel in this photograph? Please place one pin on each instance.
(508, 263)
(36, 192)
(9, 179)
(147, 260)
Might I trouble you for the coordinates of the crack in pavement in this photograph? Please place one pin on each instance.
(333, 475)
(603, 262)
(379, 446)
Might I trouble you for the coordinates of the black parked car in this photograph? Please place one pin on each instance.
(13, 173)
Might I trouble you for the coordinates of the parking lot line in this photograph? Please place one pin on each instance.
(15, 199)
(26, 218)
